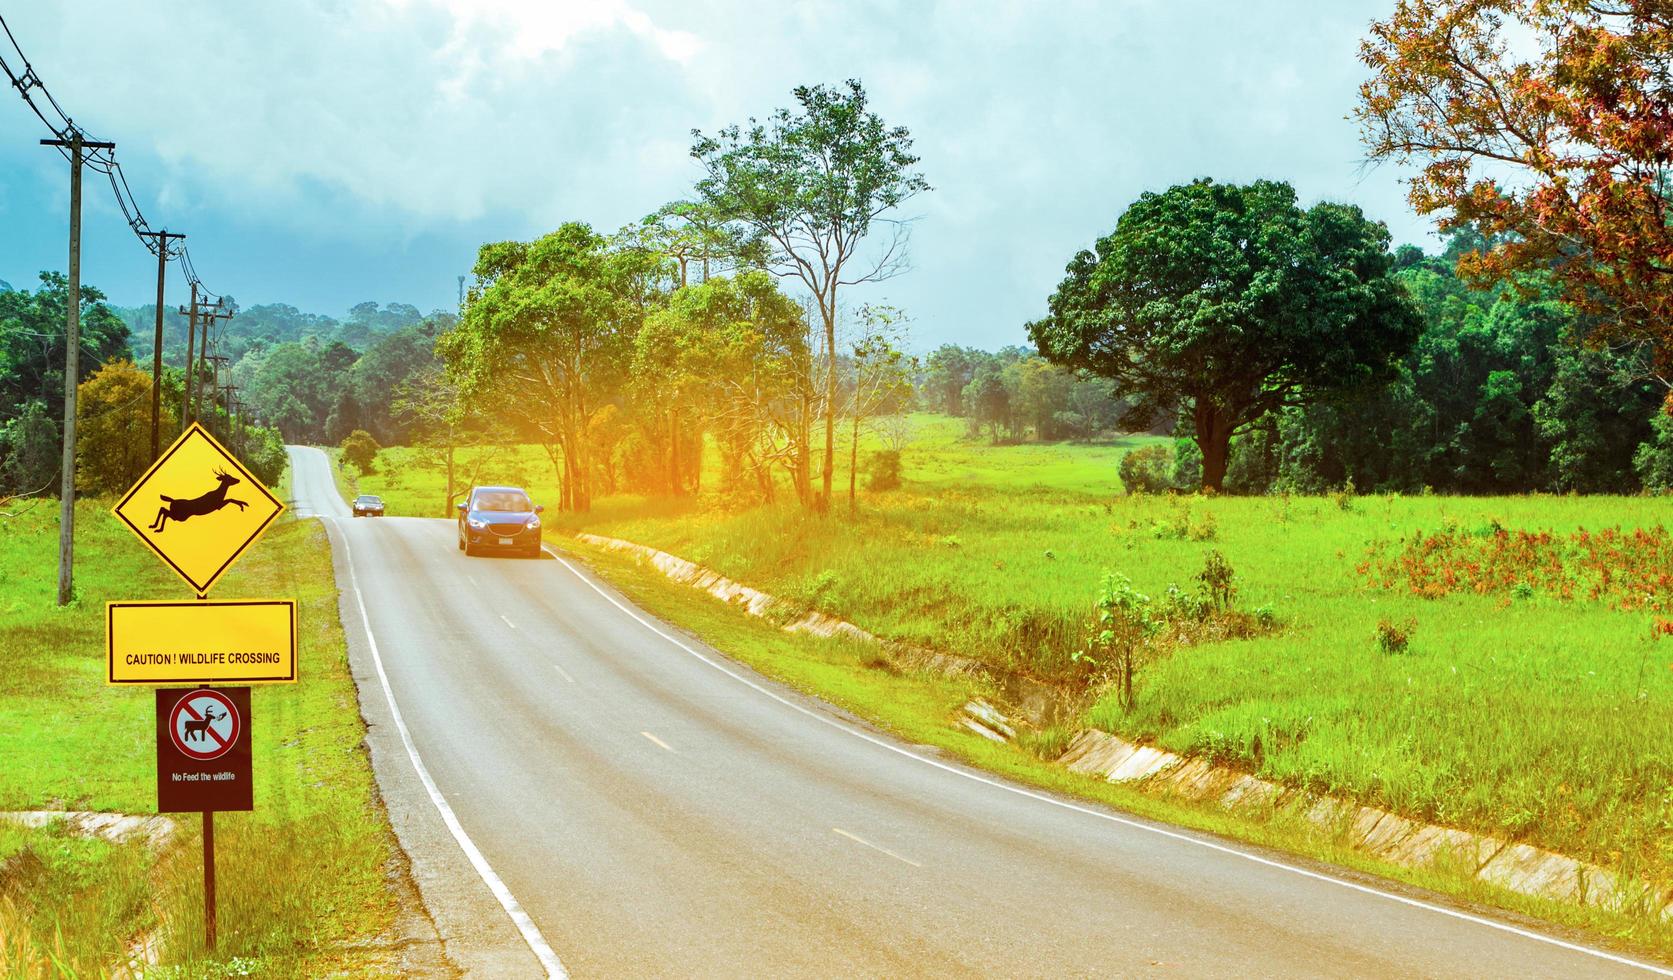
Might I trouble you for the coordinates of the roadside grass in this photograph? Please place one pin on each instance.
(302, 880)
(1528, 717)
(921, 709)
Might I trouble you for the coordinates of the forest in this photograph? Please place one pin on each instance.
(1498, 394)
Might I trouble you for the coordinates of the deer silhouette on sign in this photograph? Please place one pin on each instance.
(180, 511)
(201, 726)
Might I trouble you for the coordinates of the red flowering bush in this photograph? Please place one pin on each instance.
(1630, 569)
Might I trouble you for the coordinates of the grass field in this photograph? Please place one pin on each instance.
(302, 880)
(1519, 713)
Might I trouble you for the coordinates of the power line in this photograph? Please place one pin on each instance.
(27, 81)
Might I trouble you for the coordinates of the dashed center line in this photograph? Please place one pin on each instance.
(885, 850)
(657, 740)
(507, 621)
(563, 673)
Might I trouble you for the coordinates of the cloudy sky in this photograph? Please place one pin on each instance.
(325, 152)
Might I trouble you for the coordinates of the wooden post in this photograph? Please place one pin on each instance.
(191, 339)
(209, 880)
(162, 239)
(72, 372)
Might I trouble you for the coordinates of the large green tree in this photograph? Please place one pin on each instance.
(729, 356)
(32, 341)
(1231, 302)
(545, 334)
(812, 184)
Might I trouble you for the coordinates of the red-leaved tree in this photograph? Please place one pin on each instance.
(1548, 126)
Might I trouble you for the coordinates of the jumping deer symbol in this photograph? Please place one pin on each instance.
(180, 510)
(198, 728)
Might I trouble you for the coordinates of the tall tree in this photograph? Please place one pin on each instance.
(947, 370)
(812, 183)
(729, 355)
(113, 425)
(1232, 302)
(32, 340)
(1547, 125)
(545, 331)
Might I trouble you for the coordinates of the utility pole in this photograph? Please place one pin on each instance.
(461, 294)
(72, 367)
(209, 317)
(215, 361)
(232, 419)
(162, 239)
(191, 334)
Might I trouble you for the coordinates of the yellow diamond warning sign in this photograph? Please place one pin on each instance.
(198, 508)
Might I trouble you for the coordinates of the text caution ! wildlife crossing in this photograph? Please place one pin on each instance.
(245, 641)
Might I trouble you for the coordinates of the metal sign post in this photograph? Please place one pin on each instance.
(204, 764)
(198, 509)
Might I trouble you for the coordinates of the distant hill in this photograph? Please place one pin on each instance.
(272, 323)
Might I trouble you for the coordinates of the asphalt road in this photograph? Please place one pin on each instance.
(576, 777)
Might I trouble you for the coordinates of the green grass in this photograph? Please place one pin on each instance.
(302, 879)
(413, 481)
(1536, 719)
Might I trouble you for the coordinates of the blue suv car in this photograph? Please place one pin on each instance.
(499, 519)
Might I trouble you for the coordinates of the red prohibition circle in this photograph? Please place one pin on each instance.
(209, 743)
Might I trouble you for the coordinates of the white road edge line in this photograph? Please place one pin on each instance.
(1113, 818)
(885, 850)
(525, 925)
(656, 740)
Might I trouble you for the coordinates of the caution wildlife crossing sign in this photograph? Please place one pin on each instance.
(243, 641)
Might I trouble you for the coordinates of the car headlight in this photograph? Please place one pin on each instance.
(475, 524)
(534, 524)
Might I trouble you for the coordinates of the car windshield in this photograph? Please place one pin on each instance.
(504, 501)
(369, 500)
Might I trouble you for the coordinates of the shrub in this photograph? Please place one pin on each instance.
(1121, 625)
(1395, 637)
(263, 454)
(29, 451)
(1180, 524)
(1146, 470)
(1215, 580)
(883, 470)
(1187, 465)
(1343, 496)
(1253, 466)
(360, 449)
(1654, 458)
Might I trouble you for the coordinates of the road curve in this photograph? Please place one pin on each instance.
(650, 808)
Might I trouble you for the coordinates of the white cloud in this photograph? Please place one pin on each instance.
(374, 126)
